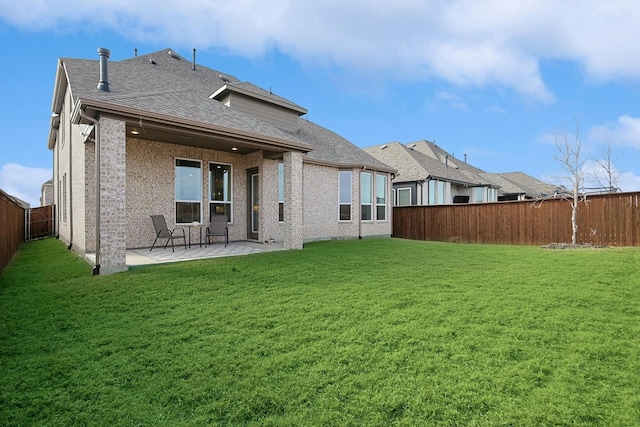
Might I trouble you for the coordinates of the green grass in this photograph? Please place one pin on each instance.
(373, 332)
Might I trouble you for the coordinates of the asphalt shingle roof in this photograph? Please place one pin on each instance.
(167, 84)
(414, 165)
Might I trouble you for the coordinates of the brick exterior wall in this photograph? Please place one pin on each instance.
(293, 200)
(113, 181)
(321, 211)
(137, 177)
(151, 187)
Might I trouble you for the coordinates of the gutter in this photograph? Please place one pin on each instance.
(349, 165)
(96, 124)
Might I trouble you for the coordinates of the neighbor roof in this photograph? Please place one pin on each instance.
(413, 165)
(532, 186)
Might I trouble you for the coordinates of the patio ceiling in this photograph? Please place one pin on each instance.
(200, 139)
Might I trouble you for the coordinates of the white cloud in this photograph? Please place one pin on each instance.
(24, 182)
(626, 131)
(629, 182)
(448, 99)
(465, 43)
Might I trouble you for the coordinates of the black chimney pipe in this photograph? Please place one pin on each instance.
(104, 69)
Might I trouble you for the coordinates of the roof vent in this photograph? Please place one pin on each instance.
(152, 62)
(382, 147)
(173, 55)
(103, 85)
(224, 78)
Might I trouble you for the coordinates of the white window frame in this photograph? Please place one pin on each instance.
(401, 190)
(281, 192)
(436, 190)
(492, 195)
(381, 190)
(342, 197)
(216, 201)
(64, 198)
(364, 193)
(478, 194)
(175, 191)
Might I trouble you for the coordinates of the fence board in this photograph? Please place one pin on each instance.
(12, 219)
(604, 220)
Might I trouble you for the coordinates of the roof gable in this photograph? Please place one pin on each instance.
(414, 165)
(163, 86)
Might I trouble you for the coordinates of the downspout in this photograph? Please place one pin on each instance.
(96, 125)
(359, 203)
(70, 183)
(103, 85)
(56, 184)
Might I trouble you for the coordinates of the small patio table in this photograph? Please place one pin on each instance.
(199, 227)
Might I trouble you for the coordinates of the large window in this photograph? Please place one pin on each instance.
(344, 186)
(220, 190)
(188, 183)
(381, 197)
(366, 196)
(281, 192)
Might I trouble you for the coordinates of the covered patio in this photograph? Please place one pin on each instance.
(159, 255)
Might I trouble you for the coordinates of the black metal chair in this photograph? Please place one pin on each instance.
(163, 232)
(218, 227)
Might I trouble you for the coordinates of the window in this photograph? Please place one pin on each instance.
(492, 195)
(404, 197)
(61, 133)
(281, 192)
(381, 197)
(64, 198)
(436, 192)
(478, 192)
(344, 188)
(366, 197)
(220, 190)
(188, 183)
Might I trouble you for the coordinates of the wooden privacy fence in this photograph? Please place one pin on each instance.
(604, 219)
(11, 228)
(39, 222)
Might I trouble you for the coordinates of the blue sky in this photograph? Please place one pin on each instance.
(495, 80)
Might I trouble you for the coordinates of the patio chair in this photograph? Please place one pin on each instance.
(218, 227)
(163, 232)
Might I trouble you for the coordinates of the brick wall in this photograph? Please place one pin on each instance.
(113, 179)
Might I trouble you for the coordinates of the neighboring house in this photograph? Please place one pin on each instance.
(46, 193)
(426, 176)
(520, 186)
(158, 134)
(17, 201)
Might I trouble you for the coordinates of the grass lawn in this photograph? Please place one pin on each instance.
(373, 332)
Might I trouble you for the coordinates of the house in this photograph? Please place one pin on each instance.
(426, 175)
(46, 193)
(159, 134)
(520, 186)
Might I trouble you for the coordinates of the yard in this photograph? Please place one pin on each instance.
(366, 332)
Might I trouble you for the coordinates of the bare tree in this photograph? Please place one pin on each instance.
(607, 176)
(569, 155)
